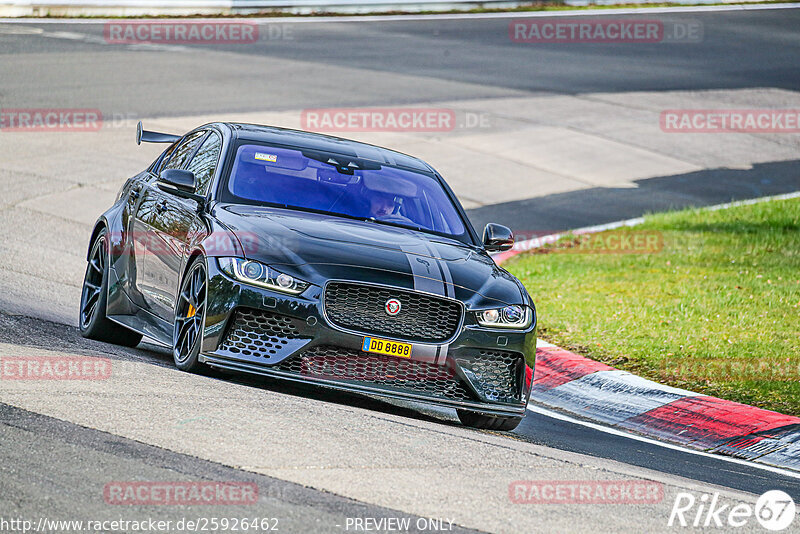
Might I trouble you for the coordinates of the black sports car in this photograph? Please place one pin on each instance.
(316, 259)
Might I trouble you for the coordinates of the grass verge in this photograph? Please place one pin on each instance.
(716, 310)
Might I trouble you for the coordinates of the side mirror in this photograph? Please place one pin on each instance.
(497, 237)
(179, 180)
(182, 184)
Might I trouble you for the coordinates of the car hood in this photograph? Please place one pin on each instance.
(318, 247)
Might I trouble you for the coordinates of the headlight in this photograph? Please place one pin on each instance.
(258, 274)
(518, 317)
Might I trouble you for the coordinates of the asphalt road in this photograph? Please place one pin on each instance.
(53, 468)
(321, 457)
(749, 49)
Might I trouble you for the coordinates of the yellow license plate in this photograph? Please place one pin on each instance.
(384, 346)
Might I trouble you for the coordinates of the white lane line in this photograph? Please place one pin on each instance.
(449, 16)
(750, 201)
(65, 35)
(613, 431)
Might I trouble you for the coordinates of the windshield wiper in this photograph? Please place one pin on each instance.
(397, 225)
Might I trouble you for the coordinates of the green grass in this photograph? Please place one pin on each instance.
(716, 311)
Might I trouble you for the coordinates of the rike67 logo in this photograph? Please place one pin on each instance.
(774, 510)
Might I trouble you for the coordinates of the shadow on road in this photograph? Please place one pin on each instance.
(600, 205)
(46, 335)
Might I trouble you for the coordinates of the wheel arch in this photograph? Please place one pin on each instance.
(197, 252)
(98, 227)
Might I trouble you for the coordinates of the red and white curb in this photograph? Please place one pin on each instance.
(594, 391)
(591, 390)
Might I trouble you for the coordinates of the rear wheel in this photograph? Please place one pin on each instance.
(93, 321)
(190, 313)
(488, 422)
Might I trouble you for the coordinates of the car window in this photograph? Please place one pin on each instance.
(158, 165)
(181, 154)
(204, 163)
(357, 189)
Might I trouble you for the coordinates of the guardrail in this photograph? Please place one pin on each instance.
(146, 8)
(133, 8)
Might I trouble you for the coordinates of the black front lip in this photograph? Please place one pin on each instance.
(493, 409)
(307, 312)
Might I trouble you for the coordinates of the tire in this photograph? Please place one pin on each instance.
(488, 422)
(190, 315)
(92, 318)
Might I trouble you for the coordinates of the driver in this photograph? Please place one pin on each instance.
(381, 205)
(384, 194)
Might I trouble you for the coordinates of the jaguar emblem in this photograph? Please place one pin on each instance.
(393, 307)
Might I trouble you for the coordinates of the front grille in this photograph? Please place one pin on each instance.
(362, 308)
(334, 363)
(496, 373)
(258, 333)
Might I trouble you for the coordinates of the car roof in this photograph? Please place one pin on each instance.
(325, 143)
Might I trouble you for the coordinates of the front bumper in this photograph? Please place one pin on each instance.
(259, 331)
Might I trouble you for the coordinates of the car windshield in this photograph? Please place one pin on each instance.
(342, 185)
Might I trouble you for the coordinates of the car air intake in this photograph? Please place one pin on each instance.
(377, 370)
(362, 309)
(495, 374)
(256, 335)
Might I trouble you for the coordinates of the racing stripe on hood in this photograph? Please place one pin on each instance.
(425, 269)
(447, 278)
(449, 291)
(431, 276)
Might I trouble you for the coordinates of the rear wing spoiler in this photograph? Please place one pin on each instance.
(153, 137)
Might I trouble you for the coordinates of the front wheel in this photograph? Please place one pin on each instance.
(488, 422)
(92, 321)
(190, 314)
